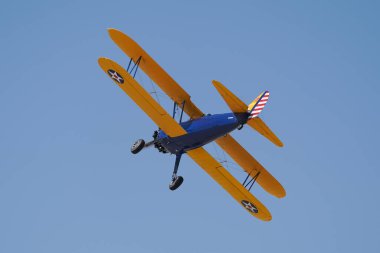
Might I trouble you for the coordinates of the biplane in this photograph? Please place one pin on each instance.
(189, 137)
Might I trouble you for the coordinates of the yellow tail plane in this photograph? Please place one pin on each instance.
(257, 105)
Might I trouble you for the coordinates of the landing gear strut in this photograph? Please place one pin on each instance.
(176, 180)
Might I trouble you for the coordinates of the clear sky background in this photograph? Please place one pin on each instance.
(68, 182)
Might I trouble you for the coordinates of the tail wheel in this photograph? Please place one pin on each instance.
(137, 146)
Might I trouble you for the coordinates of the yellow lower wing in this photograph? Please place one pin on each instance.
(230, 184)
(141, 97)
(251, 165)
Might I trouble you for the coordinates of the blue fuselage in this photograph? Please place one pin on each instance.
(201, 131)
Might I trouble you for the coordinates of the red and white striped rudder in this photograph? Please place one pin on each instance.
(258, 104)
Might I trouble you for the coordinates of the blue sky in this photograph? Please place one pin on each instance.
(68, 182)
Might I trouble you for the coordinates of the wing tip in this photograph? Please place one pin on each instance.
(267, 217)
(120, 38)
(113, 30)
(115, 33)
(279, 144)
(216, 84)
(261, 214)
(102, 60)
(282, 194)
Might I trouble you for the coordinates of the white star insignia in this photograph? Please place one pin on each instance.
(116, 76)
(249, 206)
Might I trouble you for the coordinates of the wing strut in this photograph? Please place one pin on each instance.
(175, 107)
(135, 65)
(251, 182)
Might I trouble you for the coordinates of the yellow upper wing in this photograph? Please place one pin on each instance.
(141, 97)
(155, 72)
(251, 165)
(230, 184)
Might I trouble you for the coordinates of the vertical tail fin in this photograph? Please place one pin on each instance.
(258, 104)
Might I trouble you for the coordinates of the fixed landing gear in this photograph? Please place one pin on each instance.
(176, 180)
(137, 146)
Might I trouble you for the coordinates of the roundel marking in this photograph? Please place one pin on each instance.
(249, 206)
(115, 76)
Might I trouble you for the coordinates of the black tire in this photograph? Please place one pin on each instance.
(176, 183)
(137, 146)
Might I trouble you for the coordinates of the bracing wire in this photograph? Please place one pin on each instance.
(153, 87)
(222, 158)
(154, 91)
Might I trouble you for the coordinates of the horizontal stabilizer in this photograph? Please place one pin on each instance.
(235, 104)
(259, 125)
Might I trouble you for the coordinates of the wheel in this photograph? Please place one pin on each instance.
(176, 183)
(137, 146)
